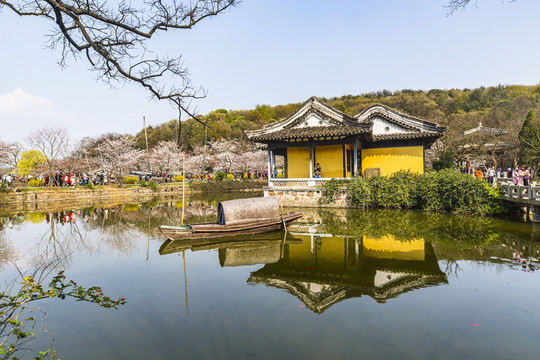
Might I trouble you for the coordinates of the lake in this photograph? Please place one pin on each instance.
(377, 284)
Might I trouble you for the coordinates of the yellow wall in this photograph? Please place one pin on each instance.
(298, 162)
(330, 157)
(390, 160)
(388, 247)
(329, 253)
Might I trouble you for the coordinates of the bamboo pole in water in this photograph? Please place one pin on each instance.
(183, 184)
(185, 281)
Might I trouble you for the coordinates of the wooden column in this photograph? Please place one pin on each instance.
(311, 162)
(343, 155)
(269, 169)
(355, 158)
(274, 164)
(286, 164)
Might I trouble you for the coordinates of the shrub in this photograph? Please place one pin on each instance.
(131, 180)
(220, 176)
(36, 182)
(179, 178)
(392, 191)
(330, 189)
(4, 188)
(149, 184)
(443, 190)
(231, 176)
(359, 192)
(90, 186)
(223, 186)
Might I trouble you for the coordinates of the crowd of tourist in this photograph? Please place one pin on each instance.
(81, 179)
(520, 175)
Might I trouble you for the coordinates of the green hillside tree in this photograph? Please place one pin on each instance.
(529, 142)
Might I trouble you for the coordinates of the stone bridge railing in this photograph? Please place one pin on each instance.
(526, 195)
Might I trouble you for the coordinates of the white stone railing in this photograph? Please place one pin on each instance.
(299, 182)
(518, 193)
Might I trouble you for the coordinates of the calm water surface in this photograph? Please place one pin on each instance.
(339, 284)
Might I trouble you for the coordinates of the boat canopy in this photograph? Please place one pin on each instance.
(242, 211)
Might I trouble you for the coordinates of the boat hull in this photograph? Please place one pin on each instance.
(213, 230)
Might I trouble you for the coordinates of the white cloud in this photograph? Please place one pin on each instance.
(22, 112)
(19, 102)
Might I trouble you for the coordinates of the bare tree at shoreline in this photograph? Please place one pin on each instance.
(53, 142)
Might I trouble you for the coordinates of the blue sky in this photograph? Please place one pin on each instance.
(277, 52)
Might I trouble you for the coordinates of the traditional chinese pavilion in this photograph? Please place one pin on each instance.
(379, 140)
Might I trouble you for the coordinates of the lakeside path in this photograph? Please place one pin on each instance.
(50, 199)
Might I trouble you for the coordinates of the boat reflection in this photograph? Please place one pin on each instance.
(237, 250)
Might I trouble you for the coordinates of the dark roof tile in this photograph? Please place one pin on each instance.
(311, 133)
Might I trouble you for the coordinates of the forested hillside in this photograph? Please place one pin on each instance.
(503, 107)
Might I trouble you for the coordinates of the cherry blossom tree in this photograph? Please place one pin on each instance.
(166, 157)
(114, 156)
(4, 152)
(252, 160)
(226, 153)
(10, 154)
(200, 160)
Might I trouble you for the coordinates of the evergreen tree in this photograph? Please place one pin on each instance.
(529, 142)
(446, 160)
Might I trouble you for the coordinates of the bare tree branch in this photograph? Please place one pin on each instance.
(455, 5)
(53, 142)
(113, 38)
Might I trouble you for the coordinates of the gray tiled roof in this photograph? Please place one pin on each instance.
(313, 132)
(415, 135)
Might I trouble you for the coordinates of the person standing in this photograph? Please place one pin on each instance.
(519, 176)
(491, 175)
(479, 174)
(526, 175)
(515, 175)
(317, 171)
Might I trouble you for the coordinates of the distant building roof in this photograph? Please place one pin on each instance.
(480, 129)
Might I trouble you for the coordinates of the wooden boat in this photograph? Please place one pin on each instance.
(235, 217)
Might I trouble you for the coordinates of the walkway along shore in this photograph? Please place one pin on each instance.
(49, 199)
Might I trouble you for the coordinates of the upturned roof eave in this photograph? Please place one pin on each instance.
(312, 102)
(413, 122)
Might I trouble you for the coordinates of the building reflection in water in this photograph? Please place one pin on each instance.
(327, 269)
(322, 270)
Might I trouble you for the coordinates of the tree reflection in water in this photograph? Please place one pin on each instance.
(328, 256)
(332, 255)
